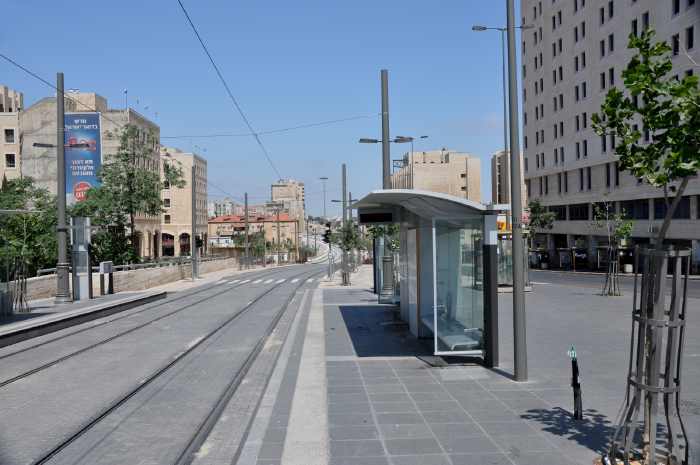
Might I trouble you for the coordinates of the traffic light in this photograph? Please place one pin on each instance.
(327, 234)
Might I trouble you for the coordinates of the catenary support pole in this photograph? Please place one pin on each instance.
(505, 169)
(386, 154)
(193, 236)
(344, 258)
(62, 266)
(247, 231)
(279, 244)
(519, 320)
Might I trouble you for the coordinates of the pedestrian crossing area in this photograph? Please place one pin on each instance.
(272, 281)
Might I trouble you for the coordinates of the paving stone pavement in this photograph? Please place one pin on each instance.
(387, 406)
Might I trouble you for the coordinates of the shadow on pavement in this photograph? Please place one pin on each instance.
(375, 332)
(593, 432)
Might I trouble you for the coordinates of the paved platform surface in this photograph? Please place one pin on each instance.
(380, 403)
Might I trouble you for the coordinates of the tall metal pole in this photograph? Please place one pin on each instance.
(323, 180)
(245, 212)
(307, 239)
(279, 250)
(506, 168)
(519, 320)
(386, 155)
(193, 236)
(62, 266)
(344, 264)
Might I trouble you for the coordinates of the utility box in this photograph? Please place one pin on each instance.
(80, 255)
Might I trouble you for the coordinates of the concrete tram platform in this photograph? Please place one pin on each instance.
(355, 390)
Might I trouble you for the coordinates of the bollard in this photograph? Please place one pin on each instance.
(106, 269)
(576, 385)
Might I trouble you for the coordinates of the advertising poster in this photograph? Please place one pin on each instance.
(83, 154)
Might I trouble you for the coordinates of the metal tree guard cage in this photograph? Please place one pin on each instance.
(656, 349)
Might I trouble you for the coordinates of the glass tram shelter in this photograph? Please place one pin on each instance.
(448, 268)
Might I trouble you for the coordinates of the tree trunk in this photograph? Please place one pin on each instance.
(669, 215)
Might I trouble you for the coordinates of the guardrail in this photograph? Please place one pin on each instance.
(175, 261)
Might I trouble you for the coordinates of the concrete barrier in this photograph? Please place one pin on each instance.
(44, 287)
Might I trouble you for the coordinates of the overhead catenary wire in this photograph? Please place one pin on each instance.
(228, 91)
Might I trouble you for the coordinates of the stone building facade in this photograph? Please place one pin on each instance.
(176, 227)
(445, 171)
(575, 52)
(11, 104)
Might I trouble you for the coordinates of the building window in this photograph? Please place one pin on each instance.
(617, 174)
(588, 174)
(583, 60)
(585, 148)
(576, 64)
(546, 185)
(559, 186)
(166, 203)
(576, 93)
(601, 13)
(602, 48)
(675, 44)
(611, 43)
(10, 160)
(583, 29)
(578, 212)
(540, 183)
(676, 6)
(580, 179)
(578, 150)
(603, 144)
(611, 77)
(611, 11)
(578, 122)
(166, 219)
(682, 211)
(166, 184)
(561, 73)
(526, 164)
(607, 175)
(585, 120)
(602, 81)
(634, 28)
(645, 21)
(566, 181)
(9, 136)
(583, 89)
(689, 38)
(559, 212)
(561, 154)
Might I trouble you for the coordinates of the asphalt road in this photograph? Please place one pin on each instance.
(52, 388)
(595, 281)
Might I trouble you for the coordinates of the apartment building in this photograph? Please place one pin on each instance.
(176, 220)
(291, 194)
(573, 54)
(500, 179)
(223, 229)
(37, 125)
(11, 104)
(444, 170)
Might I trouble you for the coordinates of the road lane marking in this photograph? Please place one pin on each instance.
(295, 280)
(268, 281)
(245, 281)
(280, 281)
(310, 280)
(257, 281)
(235, 281)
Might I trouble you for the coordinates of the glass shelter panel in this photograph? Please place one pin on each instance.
(459, 296)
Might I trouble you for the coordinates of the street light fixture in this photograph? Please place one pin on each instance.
(323, 180)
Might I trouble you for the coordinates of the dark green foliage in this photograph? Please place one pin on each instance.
(28, 236)
(666, 107)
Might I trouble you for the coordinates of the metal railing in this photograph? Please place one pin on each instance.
(164, 262)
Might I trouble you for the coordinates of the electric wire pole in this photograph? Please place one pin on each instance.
(344, 265)
(193, 237)
(245, 212)
(62, 266)
(519, 320)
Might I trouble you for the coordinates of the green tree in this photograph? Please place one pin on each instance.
(539, 218)
(618, 229)
(129, 187)
(30, 237)
(667, 109)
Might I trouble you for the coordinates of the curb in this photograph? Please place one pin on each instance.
(602, 273)
(30, 329)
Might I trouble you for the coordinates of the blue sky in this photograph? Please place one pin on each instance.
(289, 63)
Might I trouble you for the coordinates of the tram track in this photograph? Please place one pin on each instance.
(210, 418)
(139, 326)
(131, 313)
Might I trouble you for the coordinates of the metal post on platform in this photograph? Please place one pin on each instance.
(344, 266)
(519, 320)
(490, 250)
(247, 243)
(63, 294)
(193, 236)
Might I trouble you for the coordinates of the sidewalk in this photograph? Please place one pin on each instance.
(360, 394)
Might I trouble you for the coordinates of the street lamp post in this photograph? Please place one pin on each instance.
(506, 145)
(323, 180)
(396, 140)
(62, 285)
